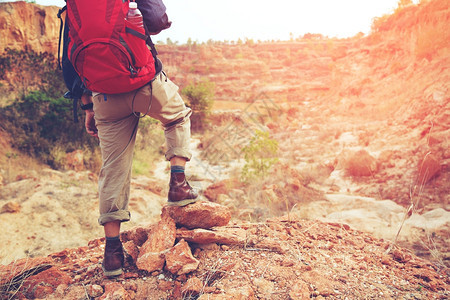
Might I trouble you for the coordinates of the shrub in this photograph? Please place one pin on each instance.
(259, 155)
(40, 120)
(43, 127)
(27, 70)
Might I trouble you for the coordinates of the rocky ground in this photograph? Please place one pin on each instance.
(281, 258)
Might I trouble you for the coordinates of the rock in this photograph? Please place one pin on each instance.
(151, 261)
(361, 163)
(138, 235)
(75, 160)
(131, 249)
(401, 256)
(45, 282)
(68, 292)
(23, 266)
(386, 260)
(223, 199)
(20, 177)
(130, 286)
(131, 275)
(221, 187)
(244, 292)
(323, 285)
(428, 168)
(228, 236)
(192, 287)
(60, 291)
(265, 287)
(199, 215)
(179, 259)
(299, 291)
(42, 291)
(145, 183)
(114, 290)
(11, 207)
(165, 286)
(95, 290)
(266, 243)
(176, 292)
(161, 238)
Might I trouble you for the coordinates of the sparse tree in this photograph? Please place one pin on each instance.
(201, 98)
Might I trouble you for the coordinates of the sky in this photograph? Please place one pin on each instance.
(263, 20)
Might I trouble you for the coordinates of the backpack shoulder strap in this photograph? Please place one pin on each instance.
(61, 25)
(148, 40)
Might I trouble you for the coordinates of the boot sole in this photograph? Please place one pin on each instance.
(112, 273)
(181, 202)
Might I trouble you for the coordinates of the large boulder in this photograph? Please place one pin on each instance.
(358, 163)
(199, 215)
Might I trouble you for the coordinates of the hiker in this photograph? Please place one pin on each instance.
(114, 119)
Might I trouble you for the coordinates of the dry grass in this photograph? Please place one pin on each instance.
(276, 195)
(18, 165)
(416, 192)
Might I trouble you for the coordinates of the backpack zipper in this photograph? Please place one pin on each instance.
(120, 47)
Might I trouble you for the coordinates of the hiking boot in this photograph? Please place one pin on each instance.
(180, 192)
(113, 259)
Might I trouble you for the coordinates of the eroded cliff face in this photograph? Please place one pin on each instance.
(27, 25)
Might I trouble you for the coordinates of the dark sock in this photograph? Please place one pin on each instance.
(112, 239)
(176, 169)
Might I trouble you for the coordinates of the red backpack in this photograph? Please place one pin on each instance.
(109, 53)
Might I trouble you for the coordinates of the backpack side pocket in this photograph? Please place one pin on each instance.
(134, 39)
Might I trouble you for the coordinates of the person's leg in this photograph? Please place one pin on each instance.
(112, 229)
(117, 140)
(178, 161)
(117, 133)
(168, 107)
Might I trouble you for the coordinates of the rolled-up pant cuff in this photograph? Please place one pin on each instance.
(119, 215)
(179, 152)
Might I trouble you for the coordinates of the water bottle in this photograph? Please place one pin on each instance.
(134, 15)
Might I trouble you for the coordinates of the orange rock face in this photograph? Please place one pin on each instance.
(28, 25)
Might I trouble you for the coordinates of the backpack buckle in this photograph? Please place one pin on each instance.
(133, 72)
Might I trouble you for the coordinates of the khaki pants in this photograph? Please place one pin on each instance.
(117, 124)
